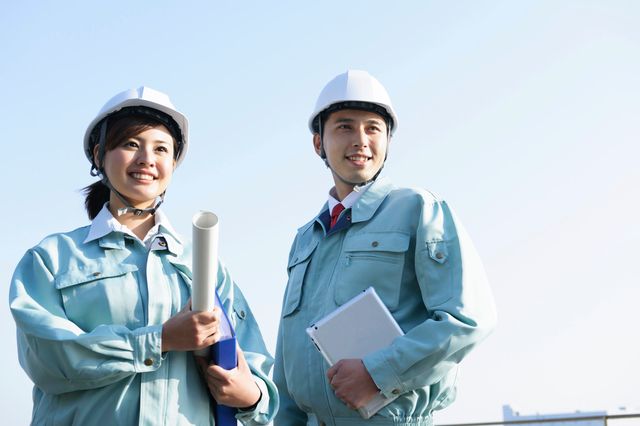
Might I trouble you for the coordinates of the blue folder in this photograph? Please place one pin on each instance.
(223, 353)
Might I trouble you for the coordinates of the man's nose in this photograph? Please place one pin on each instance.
(361, 138)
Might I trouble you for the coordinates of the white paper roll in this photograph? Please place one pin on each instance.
(205, 264)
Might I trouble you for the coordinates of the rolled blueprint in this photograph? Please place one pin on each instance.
(205, 264)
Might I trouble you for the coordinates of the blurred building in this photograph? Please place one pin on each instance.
(509, 414)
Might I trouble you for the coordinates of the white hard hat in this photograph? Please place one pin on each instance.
(358, 90)
(147, 99)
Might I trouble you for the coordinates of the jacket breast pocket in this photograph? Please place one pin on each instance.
(373, 259)
(102, 294)
(296, 269)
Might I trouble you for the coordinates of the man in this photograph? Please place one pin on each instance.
(408, 245)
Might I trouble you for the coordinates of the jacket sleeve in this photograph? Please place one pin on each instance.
(288, 414)
(260, 361)
(58, 355)
(458, 301)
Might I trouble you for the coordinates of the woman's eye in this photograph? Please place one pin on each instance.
(130, 144)
(162, 149)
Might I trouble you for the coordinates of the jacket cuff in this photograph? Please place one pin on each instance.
(262, 406)
(147, 348)
(383, 375)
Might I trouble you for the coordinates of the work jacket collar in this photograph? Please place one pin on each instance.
(368, 203)
(363, 209)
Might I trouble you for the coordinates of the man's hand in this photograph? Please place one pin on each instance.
(352, 383)
(234, 388)
(190, 330)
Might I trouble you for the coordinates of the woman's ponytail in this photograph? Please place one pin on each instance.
(96, 195)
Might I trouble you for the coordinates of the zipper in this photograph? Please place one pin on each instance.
(352, 257)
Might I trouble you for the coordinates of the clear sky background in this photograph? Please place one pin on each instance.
(523, 115)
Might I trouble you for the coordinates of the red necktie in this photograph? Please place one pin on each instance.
(335, 213)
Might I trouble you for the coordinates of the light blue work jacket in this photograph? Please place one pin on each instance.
(411, 248)
(89, 323)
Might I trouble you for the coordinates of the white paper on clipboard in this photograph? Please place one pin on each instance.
(357, 328)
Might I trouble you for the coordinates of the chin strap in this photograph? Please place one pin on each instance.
(355, 185)
(128, 208)
(137, 211)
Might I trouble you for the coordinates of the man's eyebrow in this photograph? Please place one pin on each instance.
(344, 120)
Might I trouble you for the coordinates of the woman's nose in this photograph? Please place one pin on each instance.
(145, 157)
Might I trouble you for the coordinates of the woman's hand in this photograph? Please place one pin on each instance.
(233, 388)
(191, 330)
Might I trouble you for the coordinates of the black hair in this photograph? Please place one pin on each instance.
(96, 195)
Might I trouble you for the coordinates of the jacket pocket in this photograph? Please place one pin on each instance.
(101, 294)
(296, 269)
(438, 274)
(373, 259)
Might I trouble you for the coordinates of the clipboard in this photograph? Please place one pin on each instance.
(357, 328)
(224, 354)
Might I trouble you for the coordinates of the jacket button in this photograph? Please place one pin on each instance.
(162, 243)
(242, 314)
(148, 362)
(96, 274)
(439, 255)
(375, 244)
(395, 391)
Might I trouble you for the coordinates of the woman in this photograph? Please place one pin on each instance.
(103, 317)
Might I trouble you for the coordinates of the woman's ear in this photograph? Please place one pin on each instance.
(96, 152)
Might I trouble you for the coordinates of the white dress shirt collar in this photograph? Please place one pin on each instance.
(350, 199)
(104, 223)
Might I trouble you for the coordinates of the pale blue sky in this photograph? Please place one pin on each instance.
(523, 115)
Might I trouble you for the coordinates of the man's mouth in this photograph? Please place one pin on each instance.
(358, 158)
